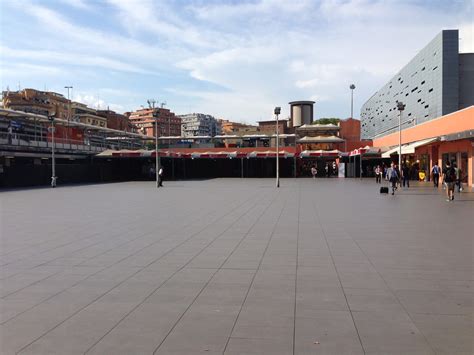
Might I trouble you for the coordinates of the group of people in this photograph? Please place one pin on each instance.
(329, 169)
(451, 176)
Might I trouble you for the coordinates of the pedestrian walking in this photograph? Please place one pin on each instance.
(435, 170)
(393, 176)
(314, 172)
(406, 175)
(449, 178)
(458, 177)
(378, 175)
(160, 177)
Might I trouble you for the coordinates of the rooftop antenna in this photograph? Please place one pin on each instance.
(151, 103)
(163, 104)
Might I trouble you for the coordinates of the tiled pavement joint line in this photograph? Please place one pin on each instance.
(150, 233)
(216, 271)
(392, 291)
(337, 272)
(110, 266)
(133, 222)
(166, 280)
(120, 283)
(56, 247)
(296, 266)
(253, 278)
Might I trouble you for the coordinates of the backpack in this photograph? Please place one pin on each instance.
(450, 174)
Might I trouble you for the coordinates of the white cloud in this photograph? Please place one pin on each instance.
(94, 101)
(261, 53)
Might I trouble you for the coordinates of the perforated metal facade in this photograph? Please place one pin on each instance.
(428, 85)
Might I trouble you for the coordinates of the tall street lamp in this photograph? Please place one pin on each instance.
(352, 87)
(53, 160)
(157, 159)
(400, 108)
(69, 110)
(277, 112)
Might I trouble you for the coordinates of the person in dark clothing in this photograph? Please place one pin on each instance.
(449, 178)
(160, 177)
(406, 175)
(393, 176)
(435, 170)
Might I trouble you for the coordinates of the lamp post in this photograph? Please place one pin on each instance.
(53, 160)
(352, 87)
(400, 107)
(68, 111)
(277, 112)
(157, 159)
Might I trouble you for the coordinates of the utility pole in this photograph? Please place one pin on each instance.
(69, 111)
(53, 160)
(277, 112)
(400, 108)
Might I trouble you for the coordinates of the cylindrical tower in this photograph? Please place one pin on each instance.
(301, 112)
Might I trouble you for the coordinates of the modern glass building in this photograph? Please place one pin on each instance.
(436, 82)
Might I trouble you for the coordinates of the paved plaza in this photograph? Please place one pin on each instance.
(236, 266)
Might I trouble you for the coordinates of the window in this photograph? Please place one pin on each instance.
(422, 82)
(426, 106)
(436, 67)
(423, 68)
(417, 101)
(430, 90)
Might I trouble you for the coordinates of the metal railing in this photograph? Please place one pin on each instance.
(93, 144)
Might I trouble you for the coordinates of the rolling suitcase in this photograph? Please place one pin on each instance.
(384, 190)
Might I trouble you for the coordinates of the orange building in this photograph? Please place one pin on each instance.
(144, 121)
(449, 137)
(270, 126)
(350, 132)
(36, 101)
(116, 120)
(229, 127)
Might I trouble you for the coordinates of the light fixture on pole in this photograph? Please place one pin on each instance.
(352, 87)
(277, 111)
(53, 160)
(400, 108)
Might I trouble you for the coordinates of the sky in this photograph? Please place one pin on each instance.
(232, 59)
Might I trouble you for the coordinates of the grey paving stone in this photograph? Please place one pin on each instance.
(316, 267)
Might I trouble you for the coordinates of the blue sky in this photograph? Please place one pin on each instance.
(232, 59)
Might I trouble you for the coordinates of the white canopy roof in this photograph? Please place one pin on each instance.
(255, 136)
(227, 136)
(408, 148)
(321, 139)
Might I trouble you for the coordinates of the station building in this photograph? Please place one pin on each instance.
(437, 123)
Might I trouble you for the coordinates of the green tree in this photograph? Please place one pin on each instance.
(332, 120)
